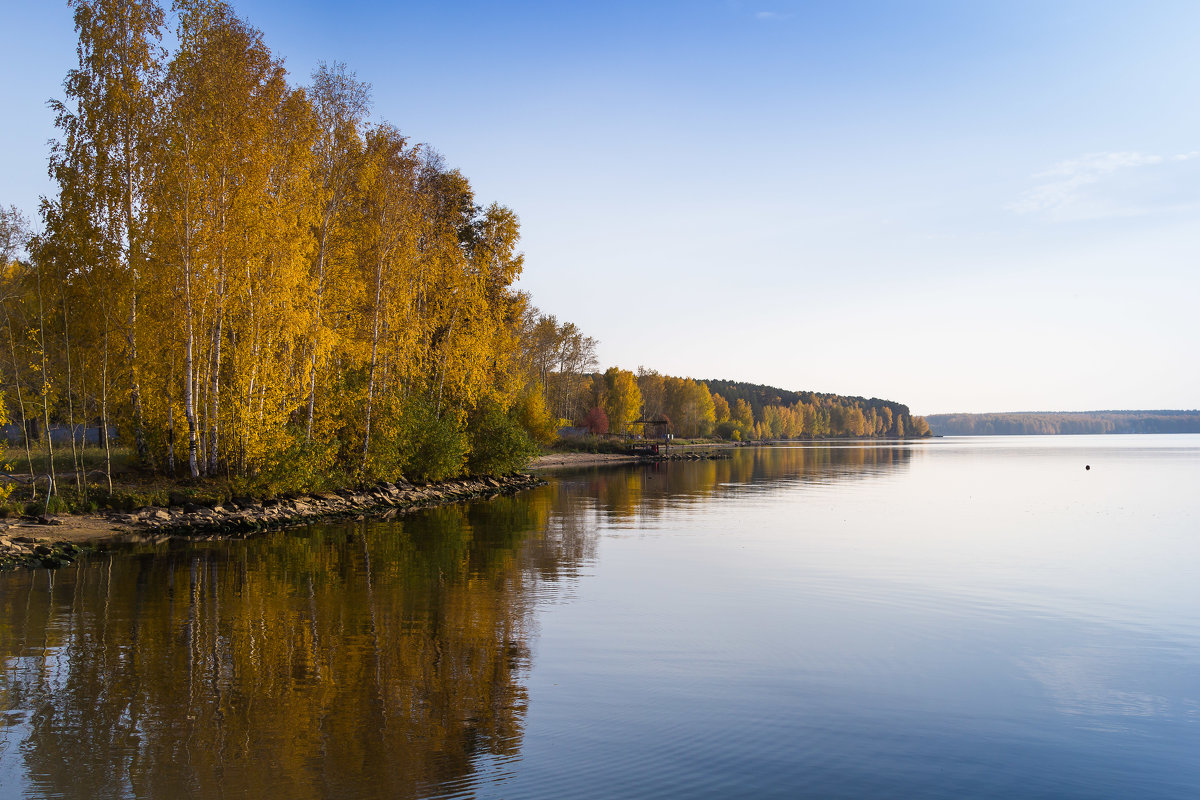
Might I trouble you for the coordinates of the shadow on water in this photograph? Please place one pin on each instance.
(371, 659)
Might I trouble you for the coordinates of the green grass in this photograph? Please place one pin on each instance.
(132, 488)
(93, 460)
(588, 444)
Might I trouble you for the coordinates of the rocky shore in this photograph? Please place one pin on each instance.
(41, 542)
(688, 455)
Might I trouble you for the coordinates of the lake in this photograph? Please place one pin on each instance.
(961, 617)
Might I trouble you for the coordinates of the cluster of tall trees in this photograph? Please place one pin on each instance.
(824, 417)
(620, 400)
(686, 404)
(248, 277)
(767, 412)
(561, 359)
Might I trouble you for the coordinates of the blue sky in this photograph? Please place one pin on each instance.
(964, 206)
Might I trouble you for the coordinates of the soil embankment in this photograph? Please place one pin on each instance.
(57, 541)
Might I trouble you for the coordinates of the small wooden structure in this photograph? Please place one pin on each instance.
(649, 435)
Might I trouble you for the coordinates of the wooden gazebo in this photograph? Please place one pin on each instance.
(649, 434)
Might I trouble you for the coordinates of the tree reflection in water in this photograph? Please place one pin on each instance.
(367, 659)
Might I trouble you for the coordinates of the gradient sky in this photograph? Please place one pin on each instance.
(962, 206)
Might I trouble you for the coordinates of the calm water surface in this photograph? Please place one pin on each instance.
(977, 617)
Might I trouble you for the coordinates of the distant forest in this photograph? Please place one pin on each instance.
(619, 401)
(1064, 422)
(759, 397)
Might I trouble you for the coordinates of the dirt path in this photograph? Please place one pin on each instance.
(553, 461)
(570, 460)
(77, 528)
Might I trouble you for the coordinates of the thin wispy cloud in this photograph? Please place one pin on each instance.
(1098, 185)
(771, 15)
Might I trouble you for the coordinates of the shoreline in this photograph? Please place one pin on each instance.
(554, 461)
(679, 452)
(30, 542)
(551, 462)
(57, 541)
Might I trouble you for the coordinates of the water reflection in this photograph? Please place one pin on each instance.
(351, 660)
(357, 660)
(650, 491)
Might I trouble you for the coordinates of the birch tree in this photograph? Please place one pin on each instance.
(340, 104)
(103, 163)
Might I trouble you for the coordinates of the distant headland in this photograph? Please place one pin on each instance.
(1064, 422)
